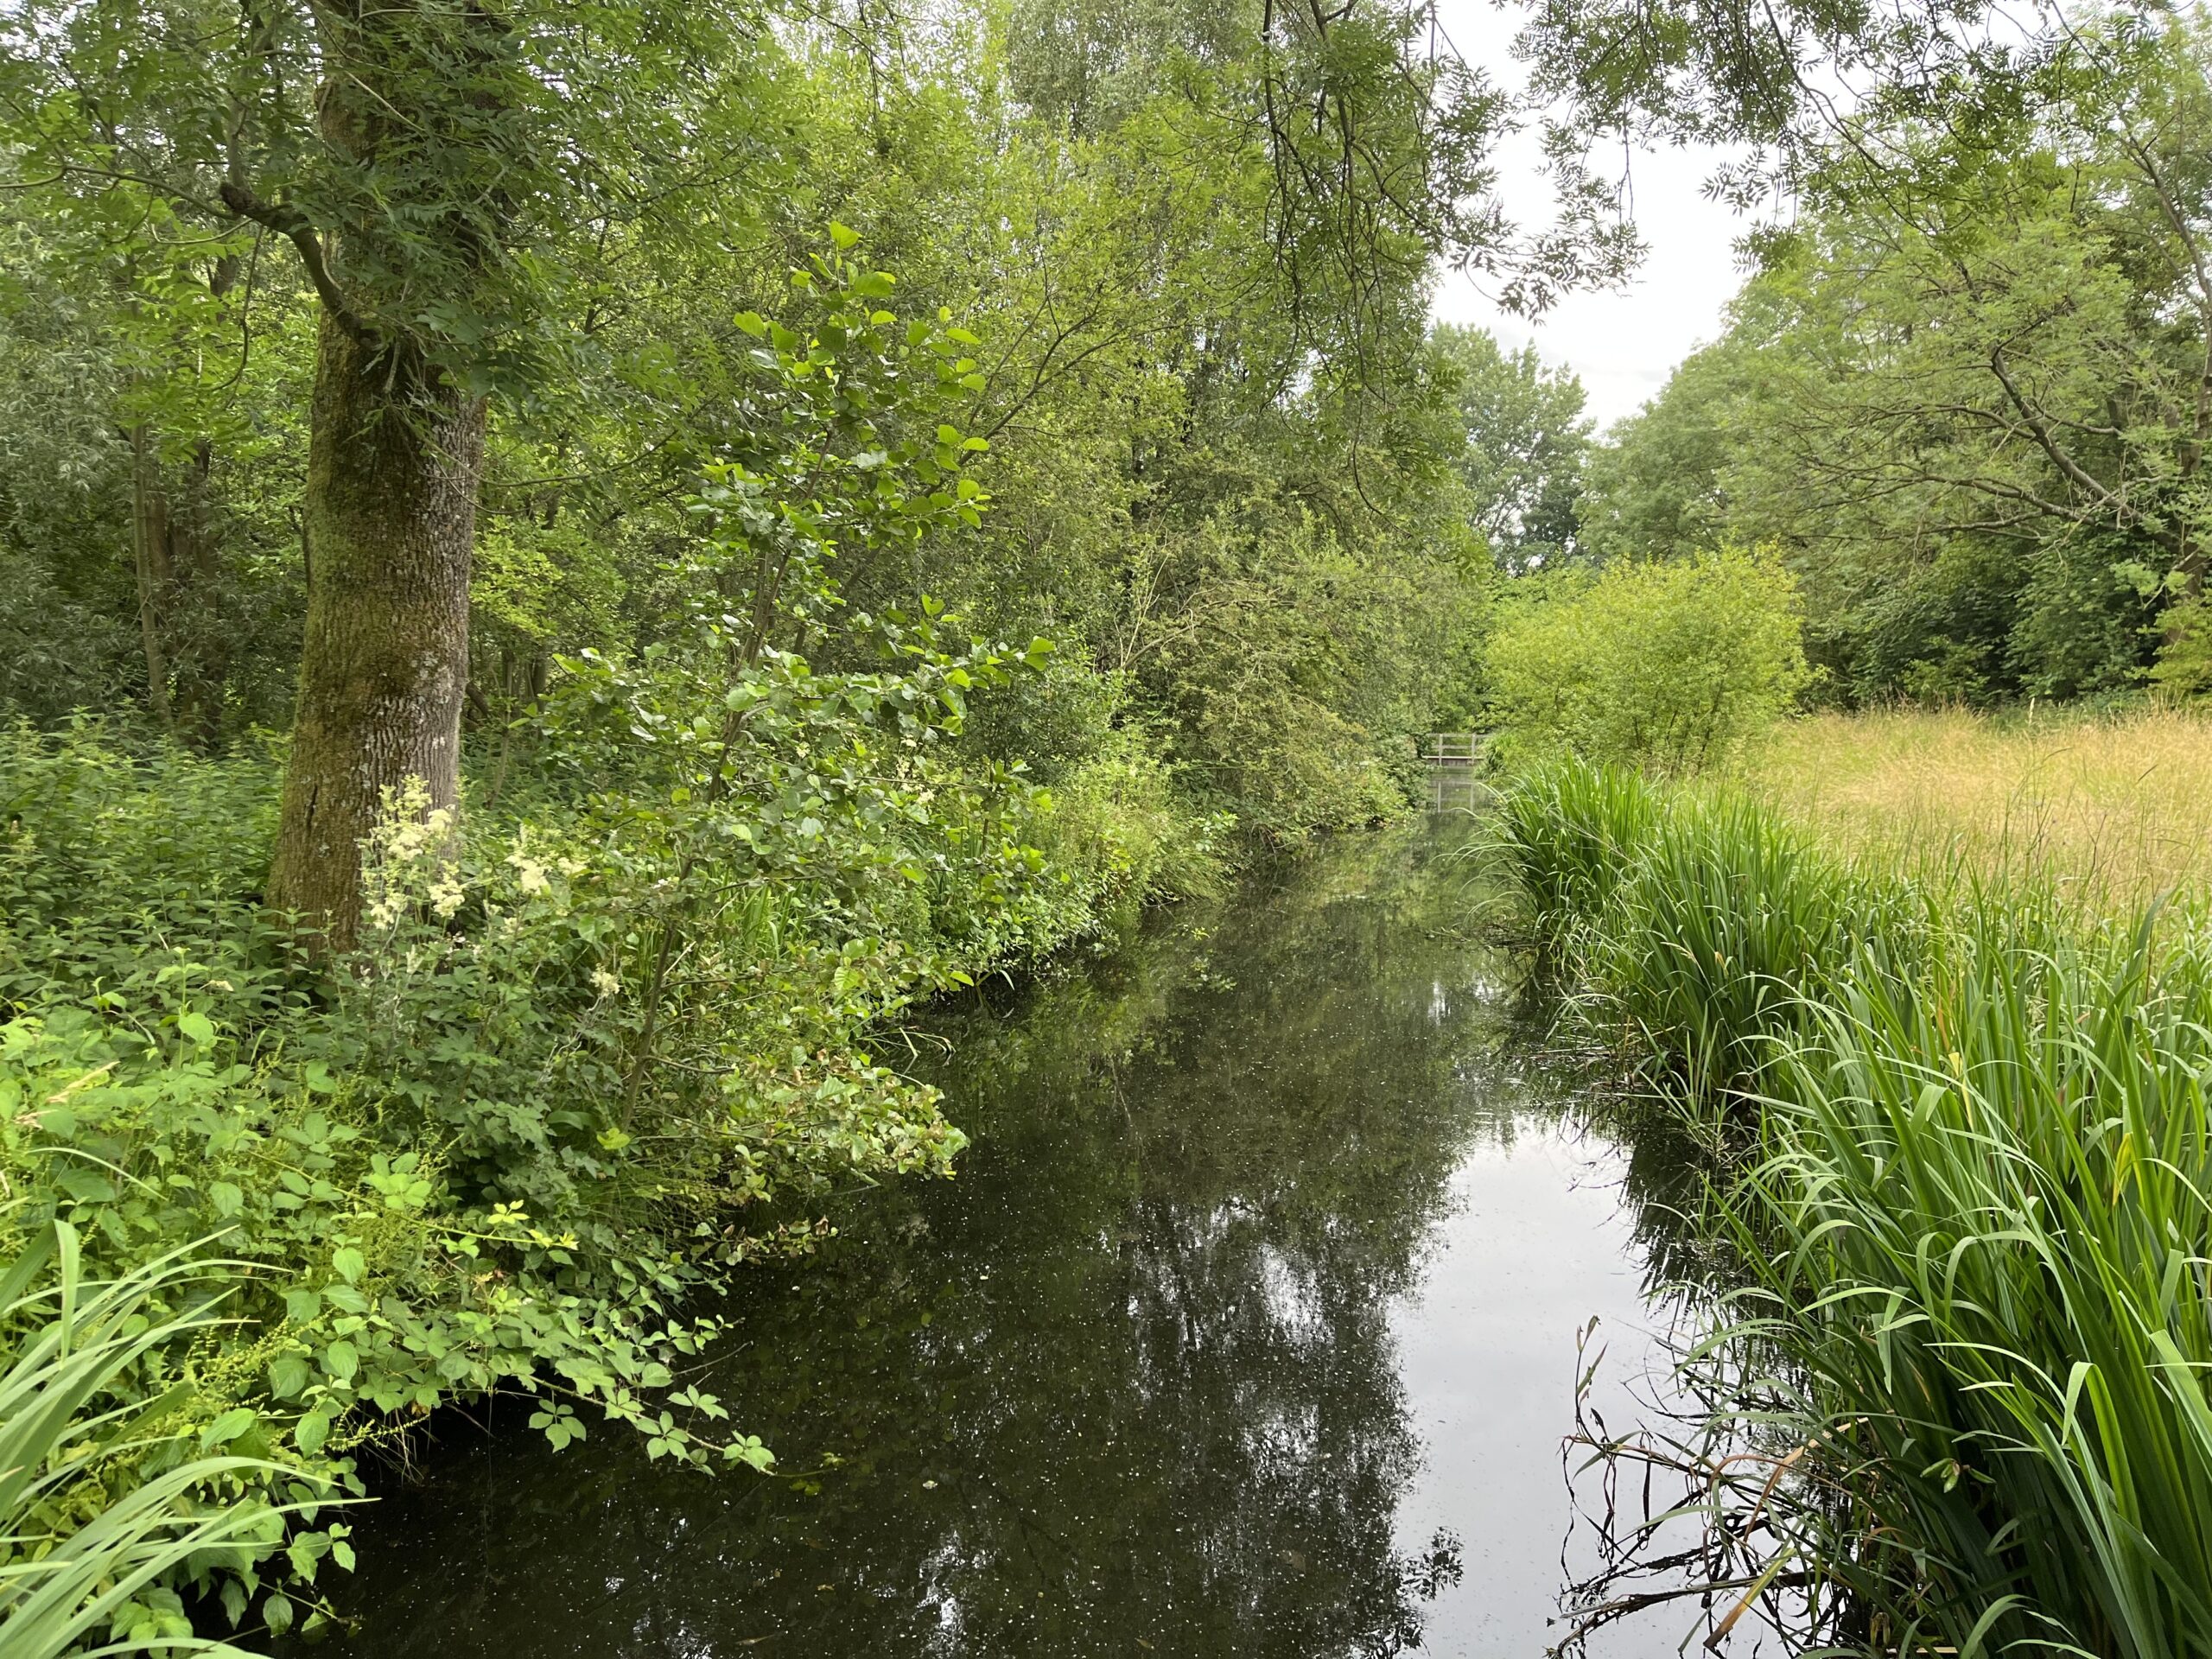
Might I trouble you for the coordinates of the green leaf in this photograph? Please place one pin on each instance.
(227, 1427)
(198, 1028)
(347, 1263)
(748, 1449)
(843, 235)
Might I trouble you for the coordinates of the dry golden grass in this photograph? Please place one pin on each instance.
(2114, 810)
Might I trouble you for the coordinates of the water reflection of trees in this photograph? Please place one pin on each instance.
(1127, 1384)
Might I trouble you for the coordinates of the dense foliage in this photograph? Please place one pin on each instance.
(1967, 393)
(753, 517)
(1672, 665)
(487, 1086)
(1201, 417)
(1959, 1357)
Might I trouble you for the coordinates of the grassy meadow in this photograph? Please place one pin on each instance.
(2108, 810)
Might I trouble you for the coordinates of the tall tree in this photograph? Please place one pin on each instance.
(1526, 440)
(1971, 389)
(448, 176)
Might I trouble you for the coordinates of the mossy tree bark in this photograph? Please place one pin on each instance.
(415, 119)
(394, 462)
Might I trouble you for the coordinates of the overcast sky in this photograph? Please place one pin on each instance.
(1624, 343)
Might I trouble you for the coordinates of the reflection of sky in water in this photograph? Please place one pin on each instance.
(1264, 1271)
(1535, 1246)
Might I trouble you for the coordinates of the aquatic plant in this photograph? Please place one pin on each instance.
(1974, 1343)
(106, 1500)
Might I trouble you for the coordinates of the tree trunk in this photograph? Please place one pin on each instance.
(149, 549)
(179, 578)
(394, 461)
(204, 661)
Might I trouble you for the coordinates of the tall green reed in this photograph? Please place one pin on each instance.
(1566, 831)
(1974, 1223)
(90, 1555)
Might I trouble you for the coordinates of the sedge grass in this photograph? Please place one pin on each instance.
(1973, 1212)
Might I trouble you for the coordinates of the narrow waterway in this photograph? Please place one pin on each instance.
(1248, 1328)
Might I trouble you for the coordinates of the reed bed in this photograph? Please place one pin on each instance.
(1969, 1203)
(2105, 812)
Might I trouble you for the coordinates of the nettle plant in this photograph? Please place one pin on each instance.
(512, 1138)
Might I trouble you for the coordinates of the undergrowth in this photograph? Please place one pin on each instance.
(516, 1140)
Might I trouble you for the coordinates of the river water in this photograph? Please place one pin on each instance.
(1249, 1326)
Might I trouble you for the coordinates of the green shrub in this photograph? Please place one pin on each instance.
(1117, 831)
(1670, 666)
(2184, 667)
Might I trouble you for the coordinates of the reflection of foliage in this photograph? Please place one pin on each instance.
(1130, 1377)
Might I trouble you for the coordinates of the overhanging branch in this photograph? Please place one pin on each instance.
(294, 226)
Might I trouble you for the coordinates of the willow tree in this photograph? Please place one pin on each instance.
(449, 177)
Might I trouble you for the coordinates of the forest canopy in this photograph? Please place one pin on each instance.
(1969, 392)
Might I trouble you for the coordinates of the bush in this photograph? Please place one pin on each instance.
(1669, 666)
(576, 1052)
(1118, 832)
(579, 1045)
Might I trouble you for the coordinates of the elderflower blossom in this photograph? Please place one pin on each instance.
(446, 894)
(605, 982)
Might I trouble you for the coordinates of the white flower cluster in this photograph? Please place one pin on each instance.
(408, 859)
(410, 864)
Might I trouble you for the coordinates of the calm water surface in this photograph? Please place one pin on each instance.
(1249, 1327)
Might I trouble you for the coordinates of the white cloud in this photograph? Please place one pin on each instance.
(1623, 343)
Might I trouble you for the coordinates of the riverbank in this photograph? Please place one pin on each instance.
(513, 1143)
(1249, 1326)
(1965, 1155)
